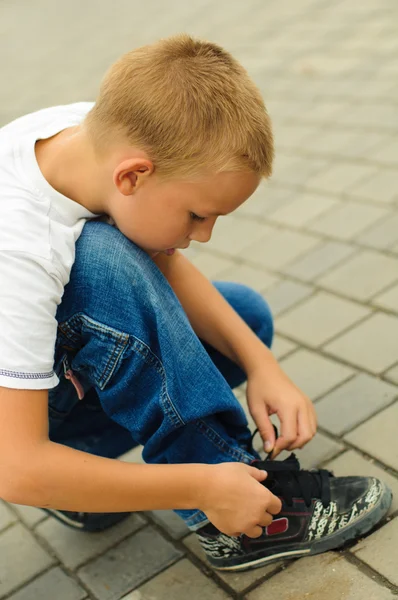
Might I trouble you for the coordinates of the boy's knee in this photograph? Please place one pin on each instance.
(262, 320)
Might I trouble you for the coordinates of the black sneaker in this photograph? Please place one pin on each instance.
(320, 512)
(91, 522)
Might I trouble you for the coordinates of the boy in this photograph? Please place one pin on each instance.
(132, 344)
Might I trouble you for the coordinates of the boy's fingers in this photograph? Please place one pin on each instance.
(305, 430)
(288, 432)
(275, 505)
(265, 428)
(258, 474)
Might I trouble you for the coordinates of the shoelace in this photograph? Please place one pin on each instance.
(287, 480)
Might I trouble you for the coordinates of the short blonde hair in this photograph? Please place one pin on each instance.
(189, 104)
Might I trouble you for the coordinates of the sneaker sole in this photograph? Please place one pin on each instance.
(358, 529)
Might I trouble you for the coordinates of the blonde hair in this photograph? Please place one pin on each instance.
(189, 104)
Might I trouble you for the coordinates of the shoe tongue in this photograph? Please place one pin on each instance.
(290, 463)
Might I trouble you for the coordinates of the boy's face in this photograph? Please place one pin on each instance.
(160, 216)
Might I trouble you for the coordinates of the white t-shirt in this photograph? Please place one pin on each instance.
(38, 231)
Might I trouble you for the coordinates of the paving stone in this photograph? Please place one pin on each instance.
(387, 153)
(265, 200)
(352, 278)
(378, 436)
(279, 248)
(319, 260)
(281, 347)
(231, 235)
(257, 279)
(354, 402)
(372, 345)
(299, 172)
(379, 551)
(237, 581)
(133, 456)
(388, 299)
(44, 587)
(323, 577)
(76, 547)
(21, 558)
(316, 452)
(129, 564)
(347, 221)
(286, 294)
(314, 374)
(392, 374)
(7, 517)
(381, 186)
(211, 265)
(304, 208)
(30, 515)
(171, 522)
(319, 318)
(337, 178)
(383, 235)
(352, 463)
(181, 581)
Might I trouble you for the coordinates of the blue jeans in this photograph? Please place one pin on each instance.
(126, 348)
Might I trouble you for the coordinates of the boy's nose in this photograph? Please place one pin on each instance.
(202, 233)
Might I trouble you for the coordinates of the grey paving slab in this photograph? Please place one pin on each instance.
(327, 576)
(29, 515)
(338, 178)
(21, 558)
(320, 318)
(324, 257)
(231, 235)
(378, 436)
(316, 452)
(304, 208)
(53, 584)
(256, 278)
(265, 200)
(278, 248)
(353, 402)
(372, 345)
(352, 278)
(286, 294)
(379, 551)
(128, 565)
(179, 582)
(313, 373)
(7, 517)
(352, 463)
(392, 374)
(76, 547)
(388, 299)
(171, 522)
(300, 172)
(381, 186)
(387, 154)
(382, 236)
(348, 220)
(281, 347)
(237, 581)
(211, 266)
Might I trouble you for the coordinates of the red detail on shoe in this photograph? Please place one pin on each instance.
(277, 526)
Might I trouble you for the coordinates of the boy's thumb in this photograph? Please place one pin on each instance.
(258, 474)
(267, 433)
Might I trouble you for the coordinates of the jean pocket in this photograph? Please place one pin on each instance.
(98, 349)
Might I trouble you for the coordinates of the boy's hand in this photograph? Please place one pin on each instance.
(235, 502)
(277, 394)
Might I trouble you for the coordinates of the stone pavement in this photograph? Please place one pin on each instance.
(319, 241)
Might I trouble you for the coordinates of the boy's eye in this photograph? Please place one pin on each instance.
(195, 217)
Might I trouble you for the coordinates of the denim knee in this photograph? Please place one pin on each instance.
(263, 323)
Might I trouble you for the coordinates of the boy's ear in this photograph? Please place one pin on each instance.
(131, 173)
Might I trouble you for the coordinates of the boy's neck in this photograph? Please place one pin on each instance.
(68, 163)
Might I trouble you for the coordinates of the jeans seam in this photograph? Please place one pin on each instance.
(238, 454)
(150, 358)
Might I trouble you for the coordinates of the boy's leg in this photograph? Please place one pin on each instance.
(123, 331)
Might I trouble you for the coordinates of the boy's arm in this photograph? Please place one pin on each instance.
(269, 390)
(38, 472)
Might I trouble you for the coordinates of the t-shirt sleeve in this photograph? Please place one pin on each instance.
(29, 296)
